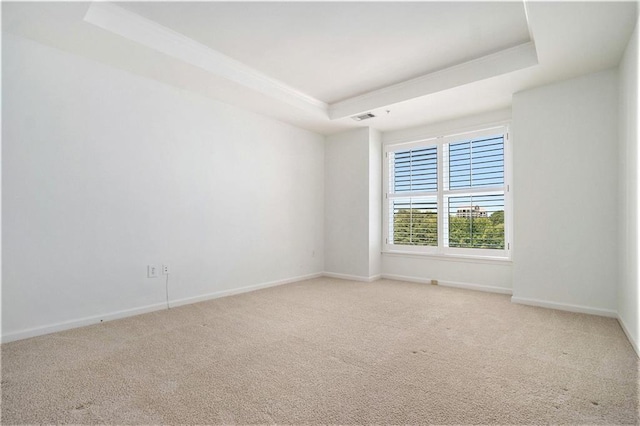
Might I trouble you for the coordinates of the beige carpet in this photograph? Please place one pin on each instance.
(330, 351)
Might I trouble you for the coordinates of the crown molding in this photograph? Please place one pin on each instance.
(124, 23)
(502, 62)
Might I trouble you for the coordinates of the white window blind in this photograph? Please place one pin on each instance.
(416, 170)
(414, 203)
(449, 195)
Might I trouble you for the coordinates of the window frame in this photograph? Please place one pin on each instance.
(442, 250)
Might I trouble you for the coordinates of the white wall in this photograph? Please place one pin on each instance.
(352, 204)
(565, 194)
(105, 172)
(628, 294)
(486, 275)
(494, 276)
(346, 201)
(375, 202)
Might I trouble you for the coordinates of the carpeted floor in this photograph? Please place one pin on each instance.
(330, 351)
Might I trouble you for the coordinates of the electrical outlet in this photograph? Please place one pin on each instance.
(434, 282)
(165, 269)
(152, 271)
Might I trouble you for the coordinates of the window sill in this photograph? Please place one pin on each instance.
(451, 257)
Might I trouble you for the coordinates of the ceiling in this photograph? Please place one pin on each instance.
(365, 46)
(315, 65)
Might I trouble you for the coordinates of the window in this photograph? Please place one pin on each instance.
(449, 195)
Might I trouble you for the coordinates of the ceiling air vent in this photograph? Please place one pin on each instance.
(361, 117)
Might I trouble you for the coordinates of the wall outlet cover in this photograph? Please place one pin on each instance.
(152, 271)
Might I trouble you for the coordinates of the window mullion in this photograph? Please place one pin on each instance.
(415, 194)
(441, 209)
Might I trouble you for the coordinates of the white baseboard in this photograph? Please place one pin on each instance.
(456, 284)
(95, 319)
(231, 292)
(633, 342)
(565, 307)
(81, 322)
(351, 277)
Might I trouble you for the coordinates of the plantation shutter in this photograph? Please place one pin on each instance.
(413, 204)
(474, 193)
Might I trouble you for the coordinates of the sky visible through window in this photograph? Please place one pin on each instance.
(476, 163)
(471, 164)
(416, 170)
